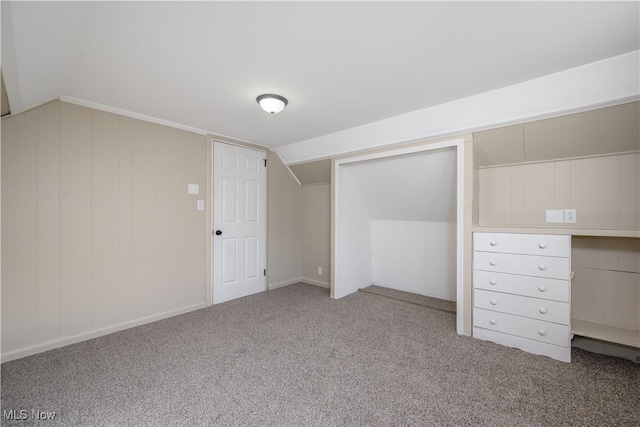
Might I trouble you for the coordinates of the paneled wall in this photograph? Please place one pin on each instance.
(316, 233)
(283, 224)
(606, 286)
(98, 229)
(604, 190)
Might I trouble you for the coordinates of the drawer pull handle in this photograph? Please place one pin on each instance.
(542, 267)
(542, 288)
(492, 281)
(493, 302)
(542, 332)
(493, 321)
(493, 243)
(542, 245)
(492, 262)
(542, 310)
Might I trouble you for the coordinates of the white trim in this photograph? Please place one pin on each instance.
(285, 283)
(315, 282)
(288, 168)
(238, 142)
(61, 342)
(458, 143)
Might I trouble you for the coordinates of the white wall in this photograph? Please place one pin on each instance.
(353, 244)
(415, 256)
(397, 224)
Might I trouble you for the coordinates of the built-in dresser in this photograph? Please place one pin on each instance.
(522, 292)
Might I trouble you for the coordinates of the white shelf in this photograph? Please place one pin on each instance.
(573, 231)
(599, 331)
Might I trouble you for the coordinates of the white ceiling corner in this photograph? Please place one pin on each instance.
(341, 64)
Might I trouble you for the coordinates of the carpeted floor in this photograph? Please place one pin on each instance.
(423, 300)
(293, 356)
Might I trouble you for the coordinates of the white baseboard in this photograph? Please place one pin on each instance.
(315, 282)
(273, 286)
(61, 342)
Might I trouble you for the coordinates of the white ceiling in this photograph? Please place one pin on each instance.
(340, 64)
(413, 187)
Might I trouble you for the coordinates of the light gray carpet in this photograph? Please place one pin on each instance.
(425, 301)
(293, 356)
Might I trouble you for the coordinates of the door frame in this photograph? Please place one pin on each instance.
(459, 145)
(210, 229)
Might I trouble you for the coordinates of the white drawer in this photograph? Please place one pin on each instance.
(550, 311)
(537, 330)
(530, 265)
(526, 244)
(536, 347)
(538, 287)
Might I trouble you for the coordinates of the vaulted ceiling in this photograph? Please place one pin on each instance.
(340, 64)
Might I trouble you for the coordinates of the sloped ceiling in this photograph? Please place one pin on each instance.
(3, 98)
(340, 64)
(415, 187)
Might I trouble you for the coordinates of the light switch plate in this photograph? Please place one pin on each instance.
(193, 189)
(200, 205)
(555, 216)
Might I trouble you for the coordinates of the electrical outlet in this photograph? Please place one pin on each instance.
(555, 216)
(319, 271)
(570, 216)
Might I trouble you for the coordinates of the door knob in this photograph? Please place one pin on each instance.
(218, 232)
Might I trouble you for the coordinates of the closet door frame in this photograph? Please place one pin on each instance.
(458, 144)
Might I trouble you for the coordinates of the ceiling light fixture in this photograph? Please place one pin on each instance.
(271, 103)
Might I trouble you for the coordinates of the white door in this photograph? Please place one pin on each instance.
(239, 222)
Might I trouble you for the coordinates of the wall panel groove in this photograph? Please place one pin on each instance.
(98, 228)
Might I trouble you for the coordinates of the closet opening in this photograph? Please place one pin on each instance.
(397, 222)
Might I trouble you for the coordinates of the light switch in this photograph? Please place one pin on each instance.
(555, 215)
(200, 205)
(193, 189)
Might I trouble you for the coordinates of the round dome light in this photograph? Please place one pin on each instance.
(271, 103)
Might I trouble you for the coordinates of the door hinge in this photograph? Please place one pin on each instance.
(265, 271)
(265, 163)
